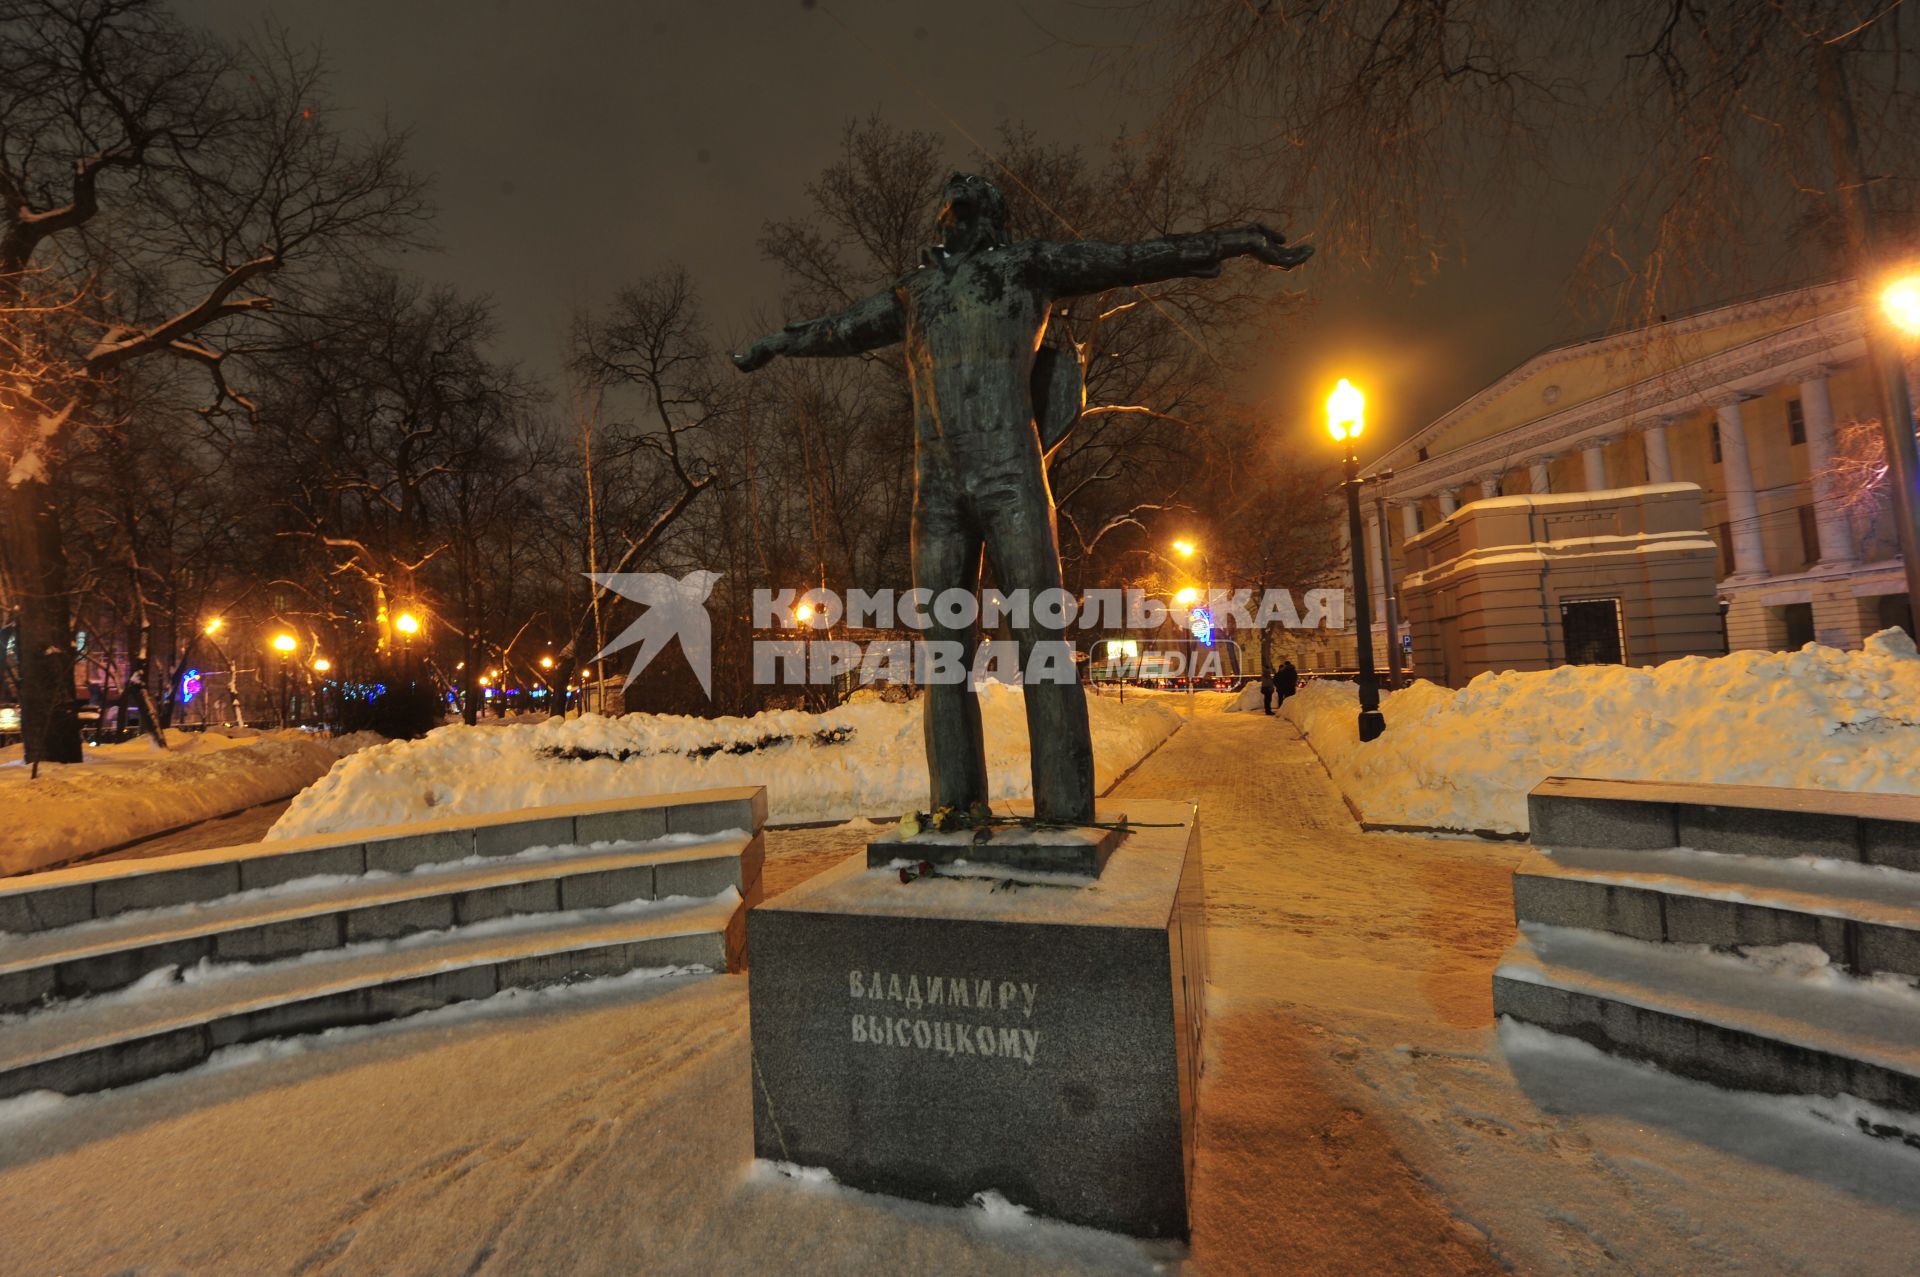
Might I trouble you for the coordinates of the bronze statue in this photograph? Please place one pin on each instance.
(973, 315)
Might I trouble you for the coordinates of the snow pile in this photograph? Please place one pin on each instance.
(134, 790)
(1818, 718)
(859, 760)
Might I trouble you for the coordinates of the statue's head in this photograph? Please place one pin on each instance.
(972, 212)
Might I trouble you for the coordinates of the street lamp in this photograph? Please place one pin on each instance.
(1346, 418)
(1901, 301)
(213, 625)
(285, 644)
(409, 625)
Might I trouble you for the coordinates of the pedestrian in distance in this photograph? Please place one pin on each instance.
(1286, 681)
(1266, 691)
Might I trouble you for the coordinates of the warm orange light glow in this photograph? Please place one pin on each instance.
(1346, 411)
(803, 614)
(406, 623)
(485, 679)
(1185, 549)
(1901, 301)
(321, 665)
(214, 624)
(1187, 597)
(546, 662)
(284, 642)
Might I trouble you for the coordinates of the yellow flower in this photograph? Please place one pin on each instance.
(910, 825)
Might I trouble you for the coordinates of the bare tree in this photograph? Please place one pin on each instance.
(153, 181)
(648, 352)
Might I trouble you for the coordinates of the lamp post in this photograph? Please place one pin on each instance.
(1386, 582)
(408, 625)
(1186, 598)
(285, 644)
(1900, 301)
(1346, 417)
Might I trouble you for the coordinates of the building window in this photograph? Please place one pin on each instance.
(1422, 454)
(1796, 422)
(1591, 631)
(1809, 535)
(1715, 435)
(1726, 549)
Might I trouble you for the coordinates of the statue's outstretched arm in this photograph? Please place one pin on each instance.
(1074, 268)
(867, 325)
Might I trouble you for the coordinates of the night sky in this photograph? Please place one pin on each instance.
(577, 146)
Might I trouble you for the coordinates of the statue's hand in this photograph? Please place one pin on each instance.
(761, 353)
(1270, 246)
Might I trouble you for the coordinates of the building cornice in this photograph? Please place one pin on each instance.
(1742, 372)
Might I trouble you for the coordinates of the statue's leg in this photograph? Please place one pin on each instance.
(1025, 552)
(946, 556)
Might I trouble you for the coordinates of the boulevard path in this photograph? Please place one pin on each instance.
(1360, 1113)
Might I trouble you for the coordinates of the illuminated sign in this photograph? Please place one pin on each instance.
(189, 685)
(1200, 622)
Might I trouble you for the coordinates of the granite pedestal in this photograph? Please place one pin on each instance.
(948, 1036)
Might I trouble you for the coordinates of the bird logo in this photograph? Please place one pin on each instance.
(675, 608)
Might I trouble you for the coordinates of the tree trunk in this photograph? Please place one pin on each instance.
(49, 719)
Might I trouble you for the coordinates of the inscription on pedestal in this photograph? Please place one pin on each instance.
(952, 1038)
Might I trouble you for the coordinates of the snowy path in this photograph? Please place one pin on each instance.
(1359, 1110)
(1357, 1113)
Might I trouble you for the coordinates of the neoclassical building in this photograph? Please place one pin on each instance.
(1742, 399)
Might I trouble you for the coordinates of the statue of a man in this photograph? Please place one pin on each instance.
(973, 315)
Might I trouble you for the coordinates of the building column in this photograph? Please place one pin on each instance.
(1829, 520)
(1743, 513)
(1489, 486)
(1410, 520)
(1376, 581)
(1593, 465)
(1447, 502)
(1537, 477)
(1659, 459)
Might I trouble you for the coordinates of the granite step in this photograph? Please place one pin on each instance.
(321, 913)
(141, 1032)
(1749, 820)
(1866, 918)
(55, 898)
(1719, 1019)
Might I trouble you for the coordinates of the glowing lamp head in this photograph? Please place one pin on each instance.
(546, 662)
(1901, 302)
(321, 665)
(214, 625)
(285, 643)
(803, 614)
(485, 679)
(407, 623)
(1185, 549)
(1346, 411)
(1187, 597)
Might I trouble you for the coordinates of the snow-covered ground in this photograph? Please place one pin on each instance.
(1360, 1112)
(1818, 718)
(864, 759)
(135, 789)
